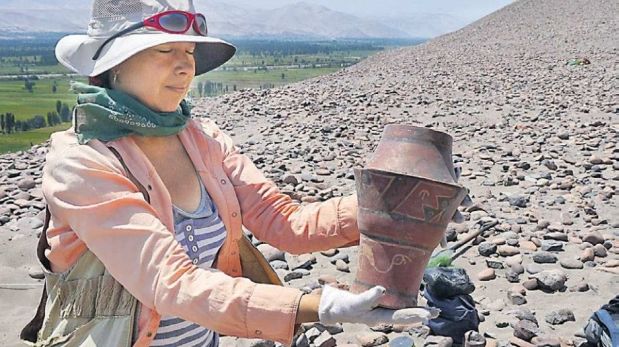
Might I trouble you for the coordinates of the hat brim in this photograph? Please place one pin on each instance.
(76, 51)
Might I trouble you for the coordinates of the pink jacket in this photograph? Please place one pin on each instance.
(94, 205)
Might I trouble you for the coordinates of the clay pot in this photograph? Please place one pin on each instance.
(407, 194)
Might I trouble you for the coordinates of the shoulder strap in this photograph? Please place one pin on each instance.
(31, 330)
(130, 175)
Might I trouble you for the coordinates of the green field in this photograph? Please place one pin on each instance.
(22, 141)
(16, 99)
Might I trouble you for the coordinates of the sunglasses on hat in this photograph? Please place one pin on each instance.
(171, 22)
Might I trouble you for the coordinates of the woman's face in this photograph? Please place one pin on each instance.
(159, 77)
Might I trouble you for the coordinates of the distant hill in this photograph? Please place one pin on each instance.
(301, 20)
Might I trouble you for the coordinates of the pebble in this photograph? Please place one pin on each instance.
(551, 280)
(486, 248)
(559, 317)
(526, 330)
(543, 257)
(36, 273)
(370, 339)
(530, 284)
(325, 340)
(486, 275)
(528, 245)
(571, 263)
(594, 238)
(402, 341)
(547, 341)
(587, 255)
(271, 253)
(293, 276)
(552, 246)
(600, 251)
(341, 265)
(506, 251)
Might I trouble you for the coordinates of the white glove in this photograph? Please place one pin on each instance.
(339, 306)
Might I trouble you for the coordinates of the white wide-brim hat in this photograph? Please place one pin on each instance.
(111, 16)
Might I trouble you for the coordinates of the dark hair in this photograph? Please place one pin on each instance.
(101, 80)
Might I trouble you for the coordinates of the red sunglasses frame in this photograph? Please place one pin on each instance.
(155, 23)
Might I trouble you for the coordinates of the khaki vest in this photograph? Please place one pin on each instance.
(85, 306)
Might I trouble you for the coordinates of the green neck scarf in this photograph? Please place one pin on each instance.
(109, 114)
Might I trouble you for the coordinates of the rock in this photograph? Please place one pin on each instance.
(546, 341)
(304, 261)
(557, 236)
(438, 341)
(518, 200)
(581, 286)
(326, 279)
(526, 330)
(519, 342)
(506, 251)
(313, 333)
(594, 238)
(26, 183)
(530, 284)
(559, 317)
(587, 255)
(330, 252)
(293, 276)
(494, 263)
(534, 268)
(600, 251)
(325, 340)
(402, 341)
(302, 341)
(372, 339)
(552, 245)
(551, 280)
(526, 314)
(36, 273)
(528, 245)
(486, 275)
(279, 264)
(333, 329)
(516, 298)
(486, 248)
(340, 265)
(271, 253)
(571, 263)
(512, 276)
(517, 268)
(447, 282)
(543, 257)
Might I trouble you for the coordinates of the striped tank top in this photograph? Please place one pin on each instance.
(201, 233)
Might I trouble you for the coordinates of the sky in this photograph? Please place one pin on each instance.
(465, 9)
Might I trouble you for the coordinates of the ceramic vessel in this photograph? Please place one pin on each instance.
(407, 194)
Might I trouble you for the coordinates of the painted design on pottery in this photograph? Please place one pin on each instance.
(397, 260)
(426, 202)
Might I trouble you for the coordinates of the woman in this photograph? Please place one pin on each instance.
(143, 200)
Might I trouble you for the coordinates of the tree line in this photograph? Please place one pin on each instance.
(10, 125)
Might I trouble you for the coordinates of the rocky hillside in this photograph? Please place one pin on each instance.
(529, 94)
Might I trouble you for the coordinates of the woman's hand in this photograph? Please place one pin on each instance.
(339, 306)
